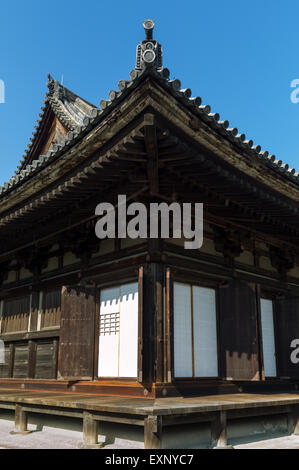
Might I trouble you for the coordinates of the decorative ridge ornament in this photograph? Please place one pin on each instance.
(149, 51)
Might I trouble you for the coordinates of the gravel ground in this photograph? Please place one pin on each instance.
(288, 442)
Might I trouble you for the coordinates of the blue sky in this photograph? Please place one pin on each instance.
(240, 57)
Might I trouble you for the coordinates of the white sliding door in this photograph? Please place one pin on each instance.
(128, 344)
(109, 333)
(268, 338)
(205, 332)
(182, 330)
(118, 339)
(195, 331)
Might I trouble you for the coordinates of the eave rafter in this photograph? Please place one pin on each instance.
(160, 150)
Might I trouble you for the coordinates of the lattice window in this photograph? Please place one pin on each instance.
(51, 309)
(109, 324)
(16, 314)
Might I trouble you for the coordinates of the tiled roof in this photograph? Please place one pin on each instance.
(79, 117)
(68, 107)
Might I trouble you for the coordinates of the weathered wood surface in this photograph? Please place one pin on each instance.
(238, 331)
(36, 359)
(76, 350)
(152, 432)
(146, 407)
(219, 430)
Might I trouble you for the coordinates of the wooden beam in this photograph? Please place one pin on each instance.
(152, 152)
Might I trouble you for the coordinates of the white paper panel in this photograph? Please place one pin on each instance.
(182, 331)
(108, 356)
(109, 344)
(205, 332)
(128, 330)
(268, 338)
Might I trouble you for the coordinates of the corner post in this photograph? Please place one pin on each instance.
(21, 421)
(296, 422)
(153, 432)
(90, 430)
(219, 431)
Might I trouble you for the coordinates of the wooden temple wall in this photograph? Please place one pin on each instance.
(51, 331)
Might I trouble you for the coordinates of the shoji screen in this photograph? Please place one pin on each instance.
(118, 336)
(128, 344)
(195, 331)
(205, 332)
(109, 333)
(268, 338)
(182, 330)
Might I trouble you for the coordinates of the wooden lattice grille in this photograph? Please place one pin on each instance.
(51, 309)
(16, 315)
(109, 324)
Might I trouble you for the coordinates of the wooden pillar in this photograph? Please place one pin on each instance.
(153, 432)
(21, 421)
(152, 312)
(238, 331)
(160, 327)
(295, 421)
(90, 430)
(168, 323)
(219, 431)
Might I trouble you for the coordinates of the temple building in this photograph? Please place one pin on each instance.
(146, 318)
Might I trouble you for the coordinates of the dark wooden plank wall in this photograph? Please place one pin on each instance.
(21, 361)
(31, 359)
(46, 360)
(238, 331)
(5, 368)
(76, 350)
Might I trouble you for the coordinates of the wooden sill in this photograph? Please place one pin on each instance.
(49, 333)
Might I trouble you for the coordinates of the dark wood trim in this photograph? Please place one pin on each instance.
(260, 331)
(31, 359)
(219, 350)
(140, 323)
(96, 332)
(192, 328)
(168, 322)
(159, 317)
(13, 337)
